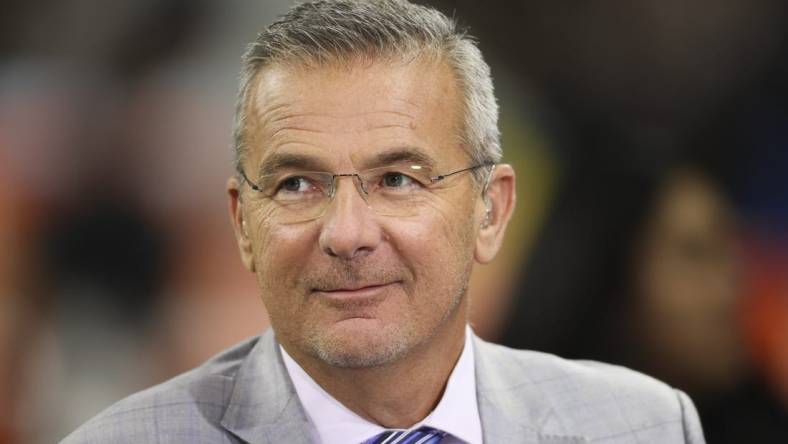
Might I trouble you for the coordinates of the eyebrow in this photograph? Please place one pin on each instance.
(281, 161)
(287, 161)
(408, 154)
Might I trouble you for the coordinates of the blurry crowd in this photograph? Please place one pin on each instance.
(650, 140)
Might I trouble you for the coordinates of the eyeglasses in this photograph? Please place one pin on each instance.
(397, 190)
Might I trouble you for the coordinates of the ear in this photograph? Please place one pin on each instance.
(239, 223)
(497, 206)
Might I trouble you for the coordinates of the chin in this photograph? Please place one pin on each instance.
(360, 346)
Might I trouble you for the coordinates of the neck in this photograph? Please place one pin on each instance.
(398, 394)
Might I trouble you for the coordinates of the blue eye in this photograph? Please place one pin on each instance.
(396, 180)
(292, 183)
(295, 185)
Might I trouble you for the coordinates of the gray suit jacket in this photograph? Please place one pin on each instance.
(244, 395)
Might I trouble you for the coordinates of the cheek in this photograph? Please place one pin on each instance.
(456, 228)
(280, 252)
(438, 250)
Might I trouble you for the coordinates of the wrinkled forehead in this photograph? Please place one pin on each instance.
(355, 110)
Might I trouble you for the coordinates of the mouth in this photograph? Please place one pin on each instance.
(349, 294)
(354, 302)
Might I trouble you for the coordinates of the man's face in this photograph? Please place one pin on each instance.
(353, 287)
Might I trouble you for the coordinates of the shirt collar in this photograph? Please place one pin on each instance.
(457, 413)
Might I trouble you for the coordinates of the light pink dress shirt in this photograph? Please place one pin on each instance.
(457, 413)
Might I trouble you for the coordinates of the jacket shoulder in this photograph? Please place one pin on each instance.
(594, 400)
(186, 408)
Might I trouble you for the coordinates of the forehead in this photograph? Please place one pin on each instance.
(343, 114)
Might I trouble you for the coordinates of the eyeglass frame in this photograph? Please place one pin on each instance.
(357, 175)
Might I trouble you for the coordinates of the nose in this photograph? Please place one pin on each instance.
(349, 227)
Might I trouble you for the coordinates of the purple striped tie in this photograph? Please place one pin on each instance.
(424, 435)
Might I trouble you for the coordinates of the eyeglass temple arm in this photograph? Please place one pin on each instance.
(443, 176)
(252, 185)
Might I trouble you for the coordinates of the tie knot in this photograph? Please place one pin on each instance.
(422, 435)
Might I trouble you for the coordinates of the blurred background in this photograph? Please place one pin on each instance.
(650, 139)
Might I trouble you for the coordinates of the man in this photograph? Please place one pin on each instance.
(368, 184)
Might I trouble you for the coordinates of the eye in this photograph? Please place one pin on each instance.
(295, 184)
(397, 180)
(292, 184)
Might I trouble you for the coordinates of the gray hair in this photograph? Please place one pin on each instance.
(327, 31)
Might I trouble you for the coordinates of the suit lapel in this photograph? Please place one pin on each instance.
(511, 407)
(263, 406)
